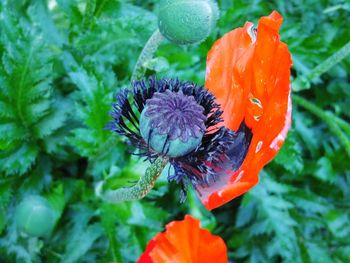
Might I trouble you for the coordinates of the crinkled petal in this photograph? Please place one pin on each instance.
(250, 77)
(227, 64)
(185, 241)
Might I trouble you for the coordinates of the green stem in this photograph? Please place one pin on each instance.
(140, 189)
(321, 68)
(330, 62)
(147, 181)
(341, 123)
(327, 118)
(146, 54)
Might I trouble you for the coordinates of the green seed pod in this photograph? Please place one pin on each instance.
(172, 123)
(160, 143)
(35, 216)
(187, 21)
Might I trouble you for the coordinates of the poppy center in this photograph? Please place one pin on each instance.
(172, 123)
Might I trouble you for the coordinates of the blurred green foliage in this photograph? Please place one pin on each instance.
(61, 64)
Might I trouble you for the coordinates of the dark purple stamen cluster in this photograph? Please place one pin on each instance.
(176, 115)
(219, 145)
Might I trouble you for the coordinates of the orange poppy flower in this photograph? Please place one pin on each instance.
(248, 71)
(184, 241)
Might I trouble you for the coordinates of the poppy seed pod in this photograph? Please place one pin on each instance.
(187, 21)
(172, 123)
(35, 216)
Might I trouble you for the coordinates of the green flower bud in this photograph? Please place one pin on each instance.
(187, 21)
(35, 216)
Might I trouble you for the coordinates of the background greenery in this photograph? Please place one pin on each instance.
(60, 66)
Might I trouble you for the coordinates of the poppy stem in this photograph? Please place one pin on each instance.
(146, 54)
(147, 181)
(325, 65)
(334, 123)
(137, 191)
(330, 62)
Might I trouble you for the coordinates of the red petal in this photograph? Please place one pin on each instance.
(185, 241)
(251, 80)
(145, 257)
(225, 77)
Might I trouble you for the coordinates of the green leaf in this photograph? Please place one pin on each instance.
(57, 200)
(109, 221)
(338, 224)
(82, 234)
(290, 156)
(6, 193)
(324, 170)
(18, 159)
(26, 95)
(94, 141)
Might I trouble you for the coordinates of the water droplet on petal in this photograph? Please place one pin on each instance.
(239, 176)
(258, 146)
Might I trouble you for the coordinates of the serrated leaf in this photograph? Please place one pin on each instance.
(18, 160)
(290, 156)
(82, 234)
(79, 244)
(338, 224)
(324, 170)
(26, 83)
(57, 200)
(109, 221)
(5, 197)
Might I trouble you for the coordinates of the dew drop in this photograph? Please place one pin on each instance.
(239, 176)
(258, 146)
(256, 101)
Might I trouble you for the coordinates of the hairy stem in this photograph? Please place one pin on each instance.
(330, 62)
(140, 189)
(328, 118)
(146, 54)
(147, 181)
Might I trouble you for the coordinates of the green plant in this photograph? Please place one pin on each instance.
(61, 64)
